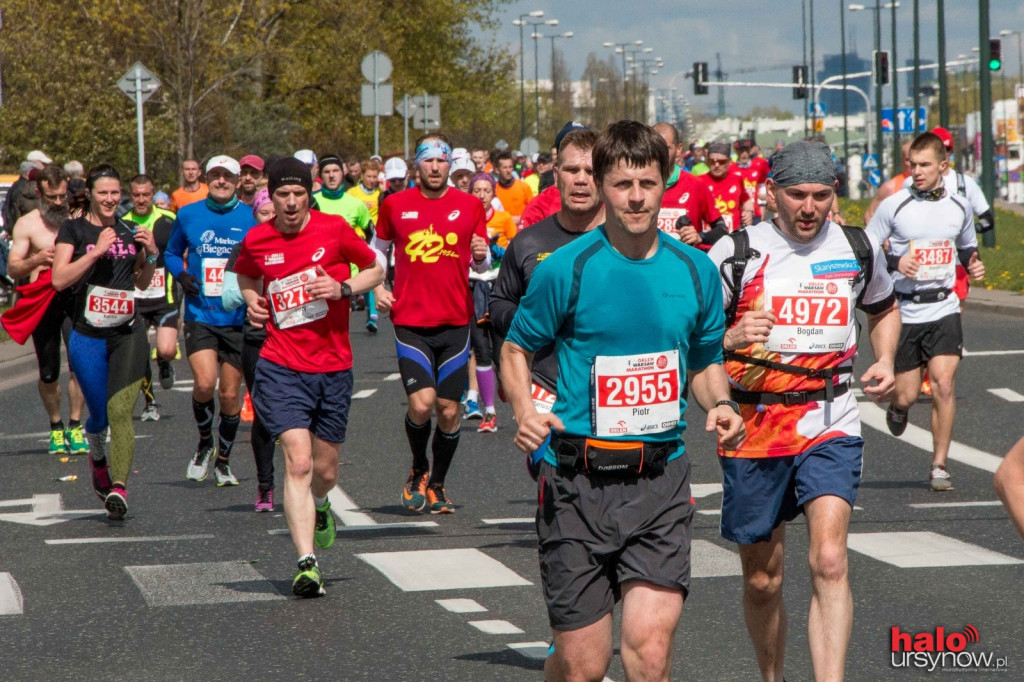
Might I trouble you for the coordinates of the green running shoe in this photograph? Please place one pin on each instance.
(58, 442)
(326, 529)
(309, 582)
(75, 438)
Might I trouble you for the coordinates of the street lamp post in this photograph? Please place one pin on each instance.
(1020, 71)
(554, 88)
(620, 48)
(988, 178)
(521, 22)
(877, 9)
(897, 165)
(917, 62)
(842, 48)
(646, 69)
(943, 92)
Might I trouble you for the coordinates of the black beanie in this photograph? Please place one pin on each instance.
(288, 171)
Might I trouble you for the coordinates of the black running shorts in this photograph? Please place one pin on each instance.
(919, 343)
(595, 533)
(227, 341)
(433, 357)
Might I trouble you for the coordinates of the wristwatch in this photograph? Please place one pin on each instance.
(731, 403)
(346, 290)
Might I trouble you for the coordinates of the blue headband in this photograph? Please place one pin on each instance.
(433, 149)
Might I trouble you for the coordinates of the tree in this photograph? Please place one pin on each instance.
(605, 84)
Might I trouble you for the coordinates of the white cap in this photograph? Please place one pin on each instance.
(38, 156)
(306, 156)
(395, 169)
(460, 153)
(225, 162)
(463, 164)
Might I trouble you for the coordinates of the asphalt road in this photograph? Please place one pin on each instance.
(195, 585)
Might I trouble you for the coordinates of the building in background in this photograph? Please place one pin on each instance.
(833, 99)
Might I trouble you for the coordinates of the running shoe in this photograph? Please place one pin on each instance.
(309, 582)
(166, 374)
(489, 423)
(75, 438)
(58, 442)
(371, 326)
(438, 500)
(264, 499)
(326, 529)
(473, 410)
(222, 474)
(939, 479)
(414, 494)
(116, 503)
(101, 483)
(150, 414)
(896, 420)
(199, 465)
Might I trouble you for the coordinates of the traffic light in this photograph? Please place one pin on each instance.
(881, 67)
(700, 77)
(800, 80)
(995, 54)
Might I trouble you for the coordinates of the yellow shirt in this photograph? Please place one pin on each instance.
(371, 199)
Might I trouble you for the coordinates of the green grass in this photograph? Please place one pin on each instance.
(3, 333)
(1004, 263)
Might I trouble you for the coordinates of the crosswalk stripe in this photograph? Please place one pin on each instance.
(442, 569)
(11, 603)
(137, 538)
(496, 627)
(1009, 395)
(512, 520)
(536, 651)
(346, 510)
(699, 490)
(711, 561)
(920, 549)
(461, 605)
(393, 377)
(974, 354)
(365, 393)
(940, 505)
(372, 528)
(216, 582)
(874, 416)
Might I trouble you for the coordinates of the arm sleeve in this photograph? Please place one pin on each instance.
(507, 291)
(541, 312)
(175, 249)
(231, 296)
(706, 337)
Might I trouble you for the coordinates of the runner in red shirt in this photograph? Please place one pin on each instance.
(437, 233)
(752, 173)
(688, 210)
(727, 189)
(294, 273)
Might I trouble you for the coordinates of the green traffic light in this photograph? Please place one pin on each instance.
(994, 65)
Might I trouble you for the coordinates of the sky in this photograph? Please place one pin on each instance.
(747, 33)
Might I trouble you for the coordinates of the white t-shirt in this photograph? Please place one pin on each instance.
(919, 225)
(828, 261)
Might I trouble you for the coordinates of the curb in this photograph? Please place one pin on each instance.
(993, 307)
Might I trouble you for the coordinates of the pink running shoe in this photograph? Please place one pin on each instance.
(264, 500)
(100, 478)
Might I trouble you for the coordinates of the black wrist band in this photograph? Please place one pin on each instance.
(346, 290)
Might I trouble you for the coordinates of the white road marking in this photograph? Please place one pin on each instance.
(981, 353)
(536, 651)
(874, 416)
(366, 393)
(1007, 394)
(922, 549)
(137, 538)
(710, 512)
(443, 569)
(216, 582)
(512, 520)
(857, 393)
(376, 527)
(393, 377)
(939, 505)
(712, 561)
(20, 436)
(461, 605)
(46, 511)
(699, 490)
(496, 627)
(11, 603)
(347, 510)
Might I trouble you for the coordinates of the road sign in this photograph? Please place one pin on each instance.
(904, 123)
(875, 178)
(380, 104)
(428, 112)
(529, 146)
(407, 107)
(138, 75)
(816, 109)
(376, 67)
(869, 162)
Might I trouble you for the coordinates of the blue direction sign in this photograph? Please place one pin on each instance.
(875, 178)
(816, 109)
(904, 122)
